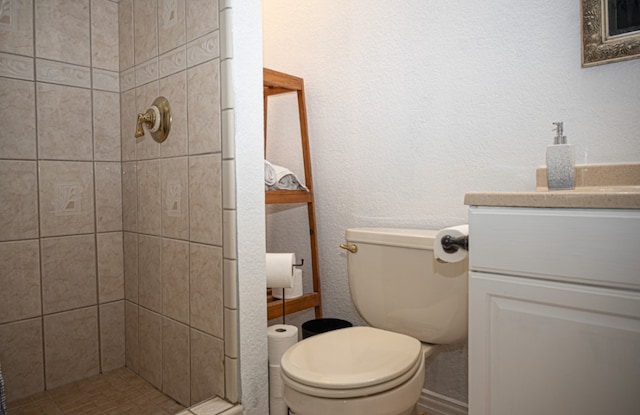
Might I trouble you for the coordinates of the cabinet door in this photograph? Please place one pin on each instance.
(542, 347)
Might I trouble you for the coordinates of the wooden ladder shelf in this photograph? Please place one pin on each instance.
(280, 83)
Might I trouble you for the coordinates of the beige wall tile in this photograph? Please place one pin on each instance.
(175, 361)
(130, 196)
(57, 21)
(112, 338)
(232, 379)
(68, 273)
(175, 197)
(125, 31)
(171, 21)
(128, 116)
(66, 198)
(71, 346)
(16, 27)
(131, 266)
(21, 357)
(174, 88)
(228, 134)
(149, 277)
(206, 289)
(108, 197)
(18, 115)
(202, 17)
(203, 49)
(145, 29)
(150, 346)
(15, 66)
(205, 199)
(131, 337)
(64, 122)
(230, 233)
(149, 206)
(104, 32)
(19, 207)
(106, 126)
(20, 280)
(110, 267)
(230, 283)
(231, 333)
(204, 108)
(207, 366)
(175, 279)
(63, 73)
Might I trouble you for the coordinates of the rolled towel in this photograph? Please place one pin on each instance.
(269, 174)
(3, 398)
(280, 178)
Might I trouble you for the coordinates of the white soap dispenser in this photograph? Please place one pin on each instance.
(560, 162)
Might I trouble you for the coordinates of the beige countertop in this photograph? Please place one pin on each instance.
(612, 186)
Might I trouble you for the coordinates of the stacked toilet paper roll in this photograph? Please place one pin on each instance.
(280, 270)
(279, 338)
(293, 292)
(454, 232)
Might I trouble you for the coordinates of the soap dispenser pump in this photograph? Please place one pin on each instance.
(560, 162)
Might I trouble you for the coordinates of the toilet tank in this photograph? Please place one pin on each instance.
(397, 285)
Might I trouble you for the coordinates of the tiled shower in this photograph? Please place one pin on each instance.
(114, 250)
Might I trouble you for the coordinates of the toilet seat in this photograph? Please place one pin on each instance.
(351, 362)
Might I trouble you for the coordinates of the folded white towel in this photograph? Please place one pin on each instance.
(280, 178)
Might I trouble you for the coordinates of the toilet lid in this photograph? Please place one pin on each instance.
(350, 358)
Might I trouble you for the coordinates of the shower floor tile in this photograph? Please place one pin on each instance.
(119, 392)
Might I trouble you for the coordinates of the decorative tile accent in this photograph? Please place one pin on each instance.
(58, 21)
(175, 193)
(17, 112)
(106, 126)
(207, 366)
(205, 199)
(150, 344)
(172, 62)
(128, 79)
(19, 208)
(16, 27)
(71, 346)
(206, 289)
(204, 108)
(149, 268)
(203, 49)
(104, 29)
(147, 72)
(171, 18)
(106, 80)
(13, 66)
(112, 341)
(63, 73)
(68, 273)
(21, 356)
(175, 361)
(108, 197)
(20, 280)
(175, 279)
(110, 267)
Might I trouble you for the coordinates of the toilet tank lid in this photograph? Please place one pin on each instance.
(406, 238)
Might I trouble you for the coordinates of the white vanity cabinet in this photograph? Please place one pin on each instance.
(554, 311)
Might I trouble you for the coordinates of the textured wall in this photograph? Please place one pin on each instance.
(414, 103)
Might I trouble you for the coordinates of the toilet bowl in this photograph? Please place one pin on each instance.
(411, 303)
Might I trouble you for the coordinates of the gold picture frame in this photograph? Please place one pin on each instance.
(598, 47)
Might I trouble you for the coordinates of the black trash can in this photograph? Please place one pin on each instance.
(323, 325)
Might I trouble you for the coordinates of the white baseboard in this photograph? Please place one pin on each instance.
(435, 404)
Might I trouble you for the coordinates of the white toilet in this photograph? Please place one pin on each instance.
(409, 299)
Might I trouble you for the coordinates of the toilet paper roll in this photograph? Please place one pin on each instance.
(279, 338)
(276, 384)
(455, 232)
(293, 292)
(280, 270)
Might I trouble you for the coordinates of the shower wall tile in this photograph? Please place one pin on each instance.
(104, 34)
(14, 66)
(230, 283)
(207, 366)
(231, 379)
(205, 199)
(106, 81)
(131, 336)
(203, 49)
(110, 267)
(175, 361)
(229, 184)
(112, 339)
(174, 88)
(149, 268)
(130, 196)
(228, 134)
(71, 346)
(17, 110)
(202, 17)
(19, 208)
(130, 245)
(171, 21)
(125, 34)
(226, 45)
(108, 197)
(21, 356)
(20, 280)
(128, 79)
(64, 122)
(226, 80)
(63, 73)
(66, 198)
(146, 72)
(230, 233)
(57, 22)
(145, 29)
(16, 27)
(149, 194)
(175, 197)
(146, 146)
(106, 126)
(175, 280)
(68, 273)
(231, 334)
(172, 62)
(206, 289)
(150, 346)
(128, 125)
(204, 108)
